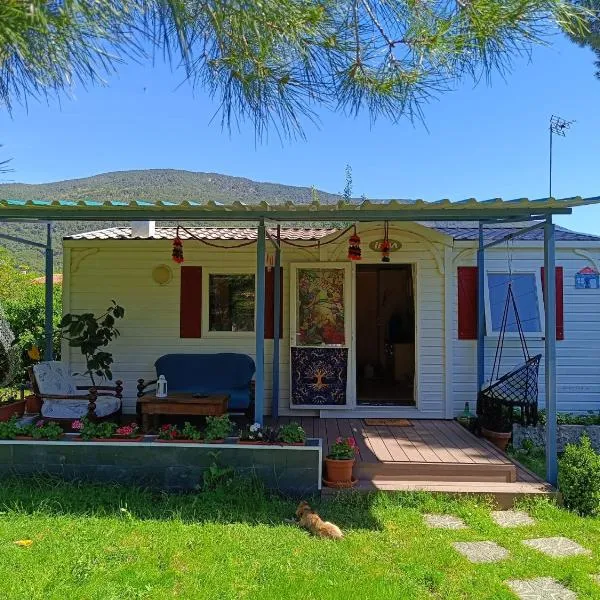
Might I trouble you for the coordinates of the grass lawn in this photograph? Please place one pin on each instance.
(105, 542)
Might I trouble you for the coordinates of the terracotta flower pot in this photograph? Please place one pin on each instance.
(500, 439)
(338, 471)
(14, 408)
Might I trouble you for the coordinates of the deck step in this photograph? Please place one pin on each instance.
(428, 471)
(503, 494)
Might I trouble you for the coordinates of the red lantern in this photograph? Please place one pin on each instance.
(177, 249)
(354, 251)
(385, 244)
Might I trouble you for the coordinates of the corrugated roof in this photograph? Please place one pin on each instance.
(204, 233)
(456, 231)
(399, 209)
(495, 232)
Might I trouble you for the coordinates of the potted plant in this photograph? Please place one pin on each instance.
(171, 433)
(291, 434)
(217, 429)
(253, 434)
(496, 425)
(106, 431)
(11, 403)
(9, 429)
(91, 335)
(40, 430)
(339, 463)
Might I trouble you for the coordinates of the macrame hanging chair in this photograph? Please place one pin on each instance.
(10, 357)
(511, 397)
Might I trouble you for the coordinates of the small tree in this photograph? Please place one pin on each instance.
(90, 334)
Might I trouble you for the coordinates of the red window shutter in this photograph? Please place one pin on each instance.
(560, 311)
(467, 303)
(270, 303)
(190, 308)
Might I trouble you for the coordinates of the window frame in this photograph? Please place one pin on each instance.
(206, 330)
(540, 301)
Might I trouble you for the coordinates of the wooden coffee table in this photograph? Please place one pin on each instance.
(180, 404)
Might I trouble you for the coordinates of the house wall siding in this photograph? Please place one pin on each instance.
(122, 270)
(578, 376)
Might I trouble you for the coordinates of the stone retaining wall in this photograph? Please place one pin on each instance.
(290, 469)
(566, 434)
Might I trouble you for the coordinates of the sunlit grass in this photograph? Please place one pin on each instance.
(99, 542)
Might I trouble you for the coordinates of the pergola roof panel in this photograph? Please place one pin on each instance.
(468, 209)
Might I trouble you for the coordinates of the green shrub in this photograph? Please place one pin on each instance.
(579, 477)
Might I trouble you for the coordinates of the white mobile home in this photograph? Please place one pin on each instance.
(404, 331)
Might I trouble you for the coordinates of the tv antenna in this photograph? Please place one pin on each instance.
(558, 126)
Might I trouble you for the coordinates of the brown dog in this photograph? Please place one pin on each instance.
(312, 522)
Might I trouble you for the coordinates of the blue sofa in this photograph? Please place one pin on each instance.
(225, 373)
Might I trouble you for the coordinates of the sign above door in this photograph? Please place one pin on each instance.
(376, 245)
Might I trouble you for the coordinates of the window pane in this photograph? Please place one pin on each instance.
(231, 302)
(526, 297)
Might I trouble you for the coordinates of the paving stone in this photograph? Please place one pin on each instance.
(481, 552)
(557, 547)
(596, 578)
(444, 522)
(541, 588)
(512, 518)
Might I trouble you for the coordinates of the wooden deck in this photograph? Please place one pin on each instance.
(433, 455)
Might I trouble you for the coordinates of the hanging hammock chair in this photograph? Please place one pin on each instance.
(513, 397)
(10, 358)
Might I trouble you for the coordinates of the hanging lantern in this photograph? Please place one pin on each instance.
(354, 251)
(177, 253)
(385, 244)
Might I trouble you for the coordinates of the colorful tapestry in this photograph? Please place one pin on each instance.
(319, 376)
(320, 307)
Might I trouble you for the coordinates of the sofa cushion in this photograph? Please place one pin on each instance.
(76, 409)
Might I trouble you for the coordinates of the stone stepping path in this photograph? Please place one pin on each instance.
(481, 552)
(557, 547)
(541, 588)
(444, 522)
(596, 578)
(512, 518)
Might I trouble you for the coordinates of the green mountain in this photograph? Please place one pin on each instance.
(151, 185)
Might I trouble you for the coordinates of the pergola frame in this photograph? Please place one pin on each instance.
(483, 212)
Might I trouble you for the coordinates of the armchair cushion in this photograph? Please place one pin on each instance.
(54, 378)
(63, 408)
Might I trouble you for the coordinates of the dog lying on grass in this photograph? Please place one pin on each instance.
(312, 522)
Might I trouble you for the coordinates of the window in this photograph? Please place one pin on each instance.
(231, 302)
(527, 290)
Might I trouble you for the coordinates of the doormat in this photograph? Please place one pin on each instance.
(389, 422)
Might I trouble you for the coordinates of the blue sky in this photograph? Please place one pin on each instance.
(479, 141)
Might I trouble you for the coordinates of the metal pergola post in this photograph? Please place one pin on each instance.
(550, 350)
(480, 311)
(49, 308)
(259, 397)
(276, 323)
